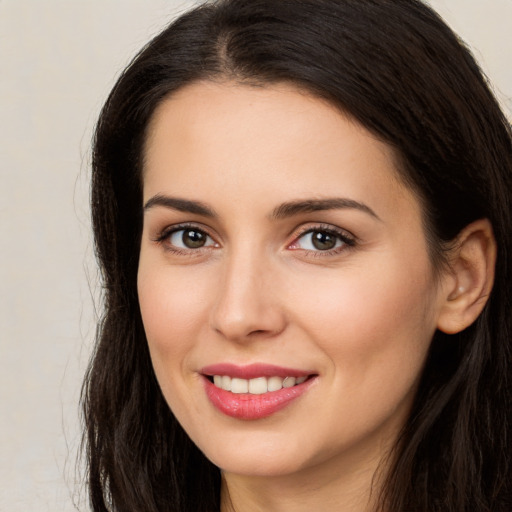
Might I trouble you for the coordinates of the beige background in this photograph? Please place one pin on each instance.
(58, 60)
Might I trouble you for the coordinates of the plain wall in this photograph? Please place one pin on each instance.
(58, 60)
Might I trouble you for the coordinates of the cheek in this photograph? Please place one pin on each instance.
(173, 308)
(375, 331)
(174, 314)
(373, 324)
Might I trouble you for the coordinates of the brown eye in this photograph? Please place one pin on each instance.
(189, 238)
(193, 239)
(320, 240)
(323, 241)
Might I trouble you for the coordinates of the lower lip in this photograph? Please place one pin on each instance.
(246, 406)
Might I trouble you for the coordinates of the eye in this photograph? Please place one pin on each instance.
(319, 241)
(322, 240)
(187, 238)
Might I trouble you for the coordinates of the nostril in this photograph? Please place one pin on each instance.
(257, 332)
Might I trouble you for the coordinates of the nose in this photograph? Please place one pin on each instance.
(247, 305)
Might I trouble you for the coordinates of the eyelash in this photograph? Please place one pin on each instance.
(348, 240)
(163, 238)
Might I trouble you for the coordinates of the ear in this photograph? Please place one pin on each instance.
(471, 276)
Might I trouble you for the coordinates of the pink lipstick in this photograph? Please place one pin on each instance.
(255, 391)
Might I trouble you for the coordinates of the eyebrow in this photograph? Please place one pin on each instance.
(182, 205)
(283, 211)
(292, 208)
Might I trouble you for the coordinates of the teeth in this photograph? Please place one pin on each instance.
(275, 383)
(256, 386)
(289, 382)
(239, 386)
(226, 383)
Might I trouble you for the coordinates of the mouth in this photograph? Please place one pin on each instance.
(256, 391)
(257, 386)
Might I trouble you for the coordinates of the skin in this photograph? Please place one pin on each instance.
(361, 316)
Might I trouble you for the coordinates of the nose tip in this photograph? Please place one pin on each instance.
(244, 328)
(247, 308)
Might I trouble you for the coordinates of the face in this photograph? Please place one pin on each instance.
(284, 281)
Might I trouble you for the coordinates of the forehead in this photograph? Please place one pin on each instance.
(230, 140)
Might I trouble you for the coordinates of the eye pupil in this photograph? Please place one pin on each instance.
(323, 241)
(193, 239)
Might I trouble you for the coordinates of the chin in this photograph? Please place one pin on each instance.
(260, 456)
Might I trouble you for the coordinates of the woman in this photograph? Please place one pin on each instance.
(302, 213)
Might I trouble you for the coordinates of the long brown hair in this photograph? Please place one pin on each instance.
(395, 67)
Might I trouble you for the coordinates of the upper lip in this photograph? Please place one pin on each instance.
(253, 371)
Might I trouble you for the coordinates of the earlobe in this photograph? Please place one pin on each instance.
(471, 272)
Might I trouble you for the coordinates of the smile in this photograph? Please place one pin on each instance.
(257, 386)
(256, 391)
